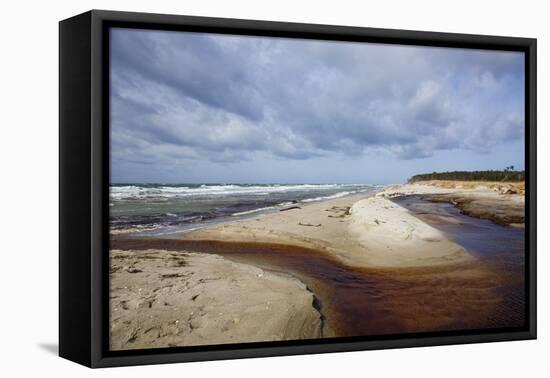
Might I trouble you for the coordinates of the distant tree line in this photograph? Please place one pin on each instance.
(507, 175)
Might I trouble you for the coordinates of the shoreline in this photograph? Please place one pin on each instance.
(391, 258)
(170, 210)
(363, 230)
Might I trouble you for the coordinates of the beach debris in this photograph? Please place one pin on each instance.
(291, 208)
(134, 270)
(178, 261)
(134, 335)
(309, 224)
(172, 275)
(509, 190)
(150, 302)
(114, 268)
(150, 329)
(342, 211)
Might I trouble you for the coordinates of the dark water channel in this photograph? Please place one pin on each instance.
(501, 247)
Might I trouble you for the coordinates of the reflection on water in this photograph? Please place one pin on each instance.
(501, 247)
(358, 301)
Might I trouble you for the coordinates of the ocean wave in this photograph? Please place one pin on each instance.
(332, 196)
(134, 229)
(129, 192)
(153, 209)
(252, 211)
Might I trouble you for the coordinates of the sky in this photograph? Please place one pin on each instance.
(209, 108)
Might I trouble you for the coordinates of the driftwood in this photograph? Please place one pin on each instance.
(291, 208)
(309, 224)
(342, 212)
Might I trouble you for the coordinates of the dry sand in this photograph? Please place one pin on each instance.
(163, 299)
(360, 230)
(392, 237)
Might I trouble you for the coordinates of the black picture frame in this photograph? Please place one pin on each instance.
(84, 179)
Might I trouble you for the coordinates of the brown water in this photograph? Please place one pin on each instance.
(500, 247)
(359, 301)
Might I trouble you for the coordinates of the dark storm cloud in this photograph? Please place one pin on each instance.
(224, 98)
(188, 63)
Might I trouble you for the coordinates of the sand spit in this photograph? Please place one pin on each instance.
(164, 299)
(391, 236)
(502, 203)
(360, 230)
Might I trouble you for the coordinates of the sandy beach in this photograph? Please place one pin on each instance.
(364, 231)
(163, 299)
(311, 270)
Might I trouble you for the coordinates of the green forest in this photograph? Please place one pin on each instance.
(506, 175)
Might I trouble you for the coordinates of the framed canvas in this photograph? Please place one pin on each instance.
(234, 188)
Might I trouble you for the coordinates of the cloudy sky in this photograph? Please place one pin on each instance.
(194, 107)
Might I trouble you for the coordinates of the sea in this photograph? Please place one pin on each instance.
(156, 209)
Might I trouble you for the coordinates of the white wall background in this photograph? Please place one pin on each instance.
(29, 185)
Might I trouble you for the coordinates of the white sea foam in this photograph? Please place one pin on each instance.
(332, 196)
(130, 192)
(252, 211)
